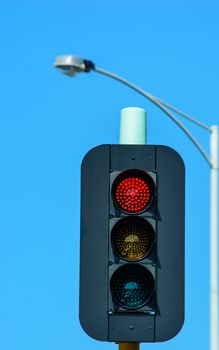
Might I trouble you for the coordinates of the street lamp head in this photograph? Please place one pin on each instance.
(70, 65)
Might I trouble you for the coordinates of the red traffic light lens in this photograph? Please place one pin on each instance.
(132, 238)
(132, 286)
(133, 191)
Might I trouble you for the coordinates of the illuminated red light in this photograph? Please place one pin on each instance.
(133, 192)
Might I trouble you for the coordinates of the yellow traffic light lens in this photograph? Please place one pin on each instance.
(132, 238)
(132, 286)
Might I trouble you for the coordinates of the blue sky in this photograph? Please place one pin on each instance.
(49, 121)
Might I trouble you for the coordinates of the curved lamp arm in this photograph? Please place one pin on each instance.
(149, 96)
(160, 104)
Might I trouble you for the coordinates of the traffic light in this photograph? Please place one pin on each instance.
(132, 243)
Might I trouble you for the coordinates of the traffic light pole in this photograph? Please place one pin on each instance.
(132, 131)
(129, 346)
(71, 65)
(214, 337)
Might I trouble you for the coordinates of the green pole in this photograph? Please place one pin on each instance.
(133, 126)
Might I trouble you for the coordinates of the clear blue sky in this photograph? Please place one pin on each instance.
(49, 121)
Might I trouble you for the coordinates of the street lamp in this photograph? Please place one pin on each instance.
(70, 65)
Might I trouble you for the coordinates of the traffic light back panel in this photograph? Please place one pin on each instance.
(132, 243)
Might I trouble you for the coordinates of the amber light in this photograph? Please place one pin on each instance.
(133, 191)
(132, 238)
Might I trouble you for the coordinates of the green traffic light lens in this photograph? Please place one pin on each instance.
(132, 238)
(132, 286)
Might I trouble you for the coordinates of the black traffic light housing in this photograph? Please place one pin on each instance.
(132, 243)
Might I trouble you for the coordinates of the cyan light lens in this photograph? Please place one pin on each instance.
(132, 286)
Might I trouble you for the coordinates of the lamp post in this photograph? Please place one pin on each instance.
(71, 65)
